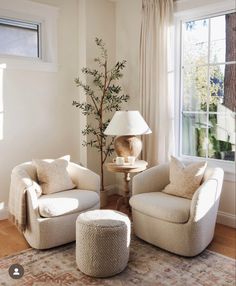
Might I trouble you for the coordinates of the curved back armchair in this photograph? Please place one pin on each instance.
(49, 220)
(179, 225)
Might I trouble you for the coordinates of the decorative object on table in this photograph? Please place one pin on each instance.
(186, 225)
(131, 160)
(48, 220)
(148, 265)
(103, 96)
(102, 242)
(120, 160)
(126, 125)
(137, 167)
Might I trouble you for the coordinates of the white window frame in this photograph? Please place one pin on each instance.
(183, 13)
(44, 15)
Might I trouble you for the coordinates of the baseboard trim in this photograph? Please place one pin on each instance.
(226, 219)
(4, 213)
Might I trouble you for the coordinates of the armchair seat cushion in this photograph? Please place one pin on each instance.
(67, 202)
(162, 206)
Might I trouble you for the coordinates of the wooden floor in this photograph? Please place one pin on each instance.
(12, 241)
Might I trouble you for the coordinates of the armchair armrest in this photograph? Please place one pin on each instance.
(206, 198)
(32, 197)
(151, 180)
(84, 178)
(32, 202)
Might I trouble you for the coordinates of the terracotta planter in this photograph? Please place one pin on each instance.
(103, 199)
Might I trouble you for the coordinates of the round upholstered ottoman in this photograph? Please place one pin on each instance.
(102, 242)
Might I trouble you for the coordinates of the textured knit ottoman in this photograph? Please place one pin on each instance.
(102, 242)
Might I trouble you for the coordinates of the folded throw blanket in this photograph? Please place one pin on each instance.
(20, 182)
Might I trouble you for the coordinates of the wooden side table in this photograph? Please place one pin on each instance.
(127, 168)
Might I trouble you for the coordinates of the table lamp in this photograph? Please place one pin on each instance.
(126, 125)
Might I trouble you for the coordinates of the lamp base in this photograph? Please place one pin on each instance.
(128, 146)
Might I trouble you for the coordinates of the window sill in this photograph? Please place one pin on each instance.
(27, 64)
(228, 166)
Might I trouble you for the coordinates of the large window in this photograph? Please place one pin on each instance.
(18, 38)
(208, 77)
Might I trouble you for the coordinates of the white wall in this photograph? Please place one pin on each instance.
(128, 26)
(100, 22)
(39, 120)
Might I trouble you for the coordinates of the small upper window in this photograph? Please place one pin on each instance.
(18, 38)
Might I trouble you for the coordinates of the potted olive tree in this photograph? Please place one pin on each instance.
(103, 97)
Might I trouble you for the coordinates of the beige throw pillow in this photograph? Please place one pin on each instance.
(184, 180)
(53, 176)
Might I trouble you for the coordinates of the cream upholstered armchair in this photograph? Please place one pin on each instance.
(50, 219)
(176, 224)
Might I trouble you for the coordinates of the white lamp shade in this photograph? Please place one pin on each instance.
(127, 123)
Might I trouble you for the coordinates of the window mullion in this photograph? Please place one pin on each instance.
(208, 86)
(181, 88)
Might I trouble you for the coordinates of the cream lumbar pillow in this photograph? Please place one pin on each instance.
(184, 180)
(53, 176)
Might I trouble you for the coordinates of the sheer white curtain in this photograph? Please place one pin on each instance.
(156, 79)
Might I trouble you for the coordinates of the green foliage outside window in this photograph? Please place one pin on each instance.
(203, 94)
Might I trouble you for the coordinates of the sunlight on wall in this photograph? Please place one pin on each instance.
(2, 67)
(1, 205)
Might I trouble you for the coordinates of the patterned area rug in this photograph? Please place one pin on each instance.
(148, 266)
